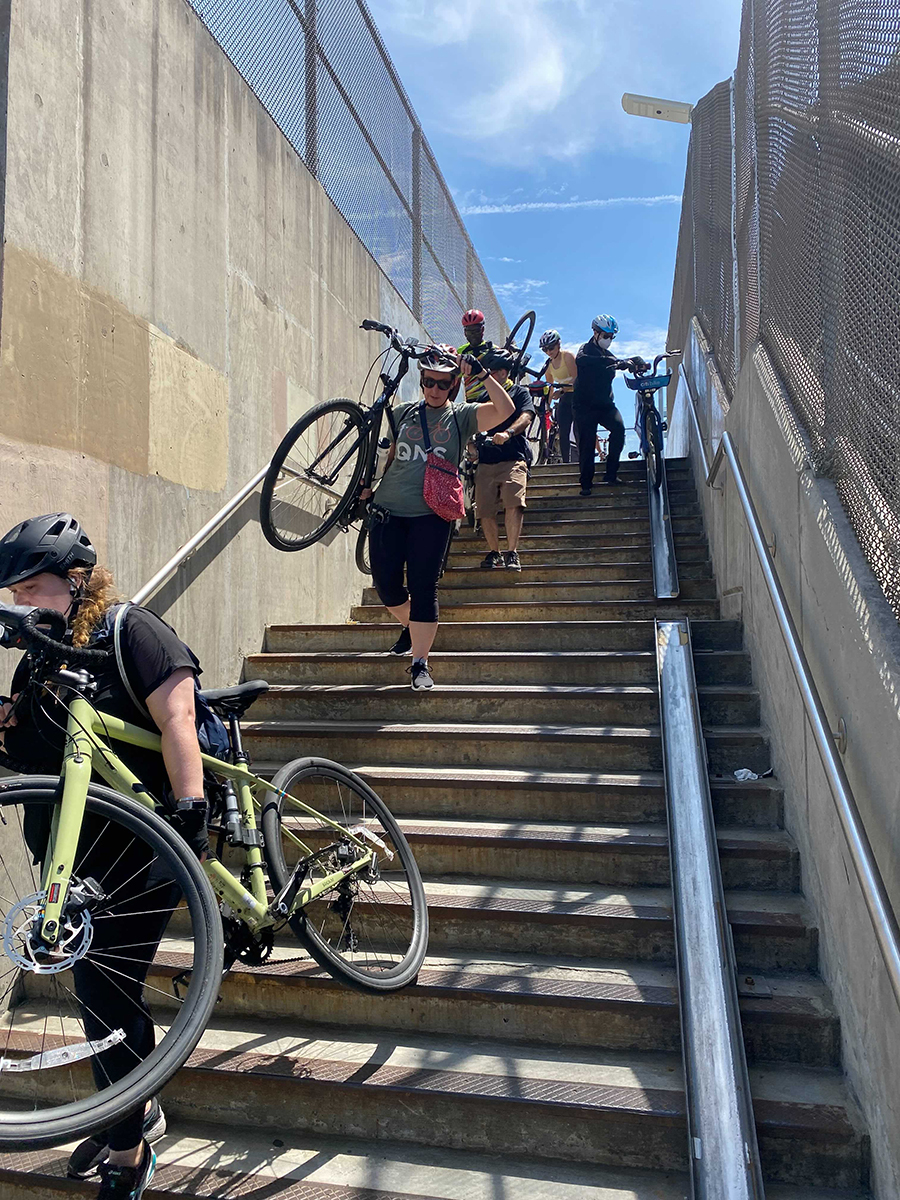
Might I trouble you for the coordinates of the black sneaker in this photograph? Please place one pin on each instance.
(511, 561)
(493, 558)
(421, 677)
(86, 1159)
(127, 1183)
(403, 644)
(585, 492)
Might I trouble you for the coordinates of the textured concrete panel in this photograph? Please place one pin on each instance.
(188, 418)
(74, 366)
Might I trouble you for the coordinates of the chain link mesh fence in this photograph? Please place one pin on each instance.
(320, 69)
(792, 209)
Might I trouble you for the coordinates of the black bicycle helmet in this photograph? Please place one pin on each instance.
(55, 542)
(497, 359)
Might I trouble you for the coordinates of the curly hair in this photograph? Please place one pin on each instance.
(99, 592)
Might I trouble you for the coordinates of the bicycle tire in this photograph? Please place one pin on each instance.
(307, 509)
(54, 1107)
(528, 318)
(399, 912)
(654, 449)
(362, 547)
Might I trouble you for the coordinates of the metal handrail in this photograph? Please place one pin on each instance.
(722, 1143)
(164, 574)
(881, 913)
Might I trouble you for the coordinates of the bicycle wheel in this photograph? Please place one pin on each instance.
(362, 547)
(371, 930)
(79, 1023)
(313, 475)
(515, 334)
(654, 448)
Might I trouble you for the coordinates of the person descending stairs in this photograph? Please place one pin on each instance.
(537, 1056)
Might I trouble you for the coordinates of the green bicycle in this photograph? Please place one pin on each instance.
(81, 864)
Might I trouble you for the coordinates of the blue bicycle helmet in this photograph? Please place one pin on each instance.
(550, 338)
(605, 324)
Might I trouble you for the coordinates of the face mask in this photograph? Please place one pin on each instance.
(604, 342)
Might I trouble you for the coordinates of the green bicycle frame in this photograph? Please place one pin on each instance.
(87, 751)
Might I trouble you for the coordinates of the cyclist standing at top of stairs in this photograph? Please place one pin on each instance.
(477, 346)
(593, 402)
(561, 372)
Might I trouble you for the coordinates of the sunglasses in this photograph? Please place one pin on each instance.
(443, 385)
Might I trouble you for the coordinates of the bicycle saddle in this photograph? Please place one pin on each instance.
(237, 699)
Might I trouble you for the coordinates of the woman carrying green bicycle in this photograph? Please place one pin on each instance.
(48, 562)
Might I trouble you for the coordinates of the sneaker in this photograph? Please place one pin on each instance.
(403, 644)
(613, 482)
(511, 561)
(127, 1183)
(86, 1159)
(421, 677)
(493, 558)
(585, 492)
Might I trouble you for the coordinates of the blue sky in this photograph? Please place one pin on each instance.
(521, 102)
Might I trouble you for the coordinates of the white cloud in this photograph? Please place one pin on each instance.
(478, 210)
(493, 258)
(520, 290)
(540, 81)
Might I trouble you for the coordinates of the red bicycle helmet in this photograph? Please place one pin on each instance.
(473, 317)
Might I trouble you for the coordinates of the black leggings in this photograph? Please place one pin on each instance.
(587, 418)
(109, 980)
(564, 422)
(417, 543)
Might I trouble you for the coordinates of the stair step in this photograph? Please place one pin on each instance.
(201, 1160)
(633, 549)
(471, 573)
(591, 527)
(504, 586)
(513, 635)
(551, 747)
(611, 855)
(720, 704)
(619, 1109)
(556, 796)
(561, 667)
(557, 610)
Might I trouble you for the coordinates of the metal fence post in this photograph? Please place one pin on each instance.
(312, 92)
(417, 222)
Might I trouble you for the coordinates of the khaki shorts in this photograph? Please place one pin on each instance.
(500, 486)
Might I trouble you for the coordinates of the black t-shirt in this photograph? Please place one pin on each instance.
(517, 448)
(151, 652)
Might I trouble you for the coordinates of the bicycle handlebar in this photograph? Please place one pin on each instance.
(21, 632)
(408, 348)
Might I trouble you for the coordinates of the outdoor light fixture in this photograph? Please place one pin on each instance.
(659, 110)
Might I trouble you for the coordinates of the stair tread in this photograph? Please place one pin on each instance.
(582, 836)
(476, 656)
(482, 731)
(506, 689)
(197, 1160)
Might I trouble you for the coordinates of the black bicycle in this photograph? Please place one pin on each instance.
(648, 423)
(329, 458)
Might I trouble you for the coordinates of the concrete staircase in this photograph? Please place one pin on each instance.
(538, 1054)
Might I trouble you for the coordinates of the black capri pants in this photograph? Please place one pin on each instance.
(419, 545)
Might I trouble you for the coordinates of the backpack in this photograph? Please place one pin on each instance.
(211, 731)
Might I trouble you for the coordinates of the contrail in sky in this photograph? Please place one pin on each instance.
(480, 210)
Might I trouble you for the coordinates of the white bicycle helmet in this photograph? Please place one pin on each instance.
(549, 339)
(605, 324)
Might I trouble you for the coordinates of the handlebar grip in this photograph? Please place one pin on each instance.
(376, 326)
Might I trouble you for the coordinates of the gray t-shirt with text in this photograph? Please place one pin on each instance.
(449, 428)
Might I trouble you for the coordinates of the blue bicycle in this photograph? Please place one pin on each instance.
(648, 422)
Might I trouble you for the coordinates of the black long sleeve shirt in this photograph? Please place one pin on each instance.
(596, 370)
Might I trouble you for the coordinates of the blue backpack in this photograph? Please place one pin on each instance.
(211, 731)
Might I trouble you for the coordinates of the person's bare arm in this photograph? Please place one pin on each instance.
(519, 425)
(171, 706)
(497, 408)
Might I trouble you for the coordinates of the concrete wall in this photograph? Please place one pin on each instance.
(852, 642)
(176, 291)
